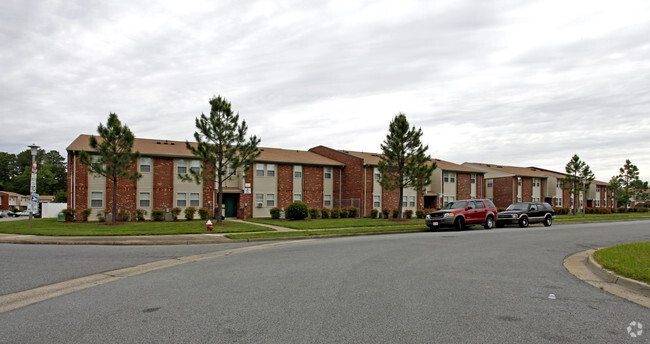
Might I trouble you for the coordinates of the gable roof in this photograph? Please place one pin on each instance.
(513, 170)
(373, 159)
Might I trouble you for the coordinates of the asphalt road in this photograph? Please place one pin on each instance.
(449, 287)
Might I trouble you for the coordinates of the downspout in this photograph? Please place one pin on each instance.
(340, 186)
(365, 174)
(74, 181)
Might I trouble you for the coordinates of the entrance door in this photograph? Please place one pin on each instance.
(230, 203)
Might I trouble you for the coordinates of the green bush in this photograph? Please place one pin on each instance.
(325, 213)
(395, 213)
(175, 212)
(85, 213)
(297, 211)
(157, 215)
(562, 211)
(313, 213)
(275, 213)
(204, 213)
(352, 212)
(69, 214)
(101, 216)
(123, 215)
(408, 213)
(499, 209)
(336, 213)
(385, 212)
(140, 214)
(344, 212)
(641, 209)
(374, 213)
(420, 214)
(189, 213)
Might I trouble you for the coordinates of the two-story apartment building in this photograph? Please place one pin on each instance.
(12, 200)
(451, 182)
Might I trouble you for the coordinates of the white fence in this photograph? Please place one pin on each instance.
(51, 210)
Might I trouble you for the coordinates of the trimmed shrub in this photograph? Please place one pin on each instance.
(297, 211)
(395, 213)
(408, 213)
(420, 214)
(385, 212)
(157, 214)
(344, 213)
(140, 214)
(123, 215)
(562, 211)
(204, 213)
(325, 213)
(336, 213)
(501, 209)
(69, 214)
(352, 212)
(189, 213)
(275, 213)
(313, 213)
(641, 209)
(101, 216)
(175, 212)
(85, 213)
(374, 213)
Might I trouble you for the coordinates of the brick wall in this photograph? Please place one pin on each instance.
(4, 204)
(526, 189)
(163, 183)
(480, 185)
(246, 200)
(504, 191)
(208, 189)
(126, 194)
(77, 187)
(285, 186)
(313, 186)
(352, 183)
(463, 185)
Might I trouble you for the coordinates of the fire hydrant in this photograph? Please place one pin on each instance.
(208, 225)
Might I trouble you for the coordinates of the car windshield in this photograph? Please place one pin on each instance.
(455, 205)
(518, 206)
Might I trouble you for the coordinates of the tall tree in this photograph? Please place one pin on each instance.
(578, 178)
(404, 161)
(113, 156)
(628, 176)
(640, 192)
(222, 147)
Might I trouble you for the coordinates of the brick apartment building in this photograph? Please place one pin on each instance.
(451, 182)
(12, 200)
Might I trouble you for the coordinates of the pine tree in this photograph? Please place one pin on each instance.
(628, 176)
(578, 178)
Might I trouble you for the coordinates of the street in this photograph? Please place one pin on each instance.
(477, 286)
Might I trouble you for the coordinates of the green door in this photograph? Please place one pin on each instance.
(230, 203)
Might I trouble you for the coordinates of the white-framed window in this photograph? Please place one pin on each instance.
(195, 166)
(376, 173)
(537, 182)
(449, 177)
(259, 170)
(259, 199)
(411, 201)
(558, 184)
(297, 197)
(270, 200)
(181, 200)
(194, 199)
(376, 201)
(327, 200)
(297, 171)
(181, 166)
(145, 200)
(558, 201)
(404, 201)
(489, 182)
(327, 173)
(270, 170)
(447, 199)
(473, 178)
(145, 165)
(96, 199)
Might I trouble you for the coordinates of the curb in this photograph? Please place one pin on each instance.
(611, 277)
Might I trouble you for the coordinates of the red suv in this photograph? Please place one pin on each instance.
(462, 213)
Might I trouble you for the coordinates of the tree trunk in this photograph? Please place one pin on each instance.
(219, 201)
(114, 200)
(401, 196)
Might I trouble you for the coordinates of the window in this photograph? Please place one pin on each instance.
(519, 182)
(328, 173)
(195, 166)
(259, 170)
(376, 201)
(270, 200)
(297, 197)
(558, 184)
(449, 177)
(96, 199)
(181, 200)
(145, 200)
(489, 183)
(536, 182)
(377, 174)
(448, 199)
(327, 200)
(404, 202)
(597, 203)
(181, 166)
(270, 170)
(194, 200)
(411, 201)
(479, 205)
(558, 202)
(259, 200)
(297, 171)
(145, 165)
(473, 178)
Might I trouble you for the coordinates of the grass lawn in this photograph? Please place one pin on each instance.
(54, 228)
(601, 217)
(324, 232)
(338, 223)
(629, 260)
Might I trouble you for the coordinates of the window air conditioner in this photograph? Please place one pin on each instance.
(259, 204)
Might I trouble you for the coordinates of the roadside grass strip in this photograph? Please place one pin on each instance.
(628, 260)
(338, 223)
(600, 217)
(325, 232)
(50, 227)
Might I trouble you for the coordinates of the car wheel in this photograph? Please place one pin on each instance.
(459, 223)
(548, 221)
(523, 222)
(489, 222)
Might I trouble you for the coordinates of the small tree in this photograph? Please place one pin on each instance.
(404, 162)
(628, 176)
(221, 146)
(114, 157)
(578, 178)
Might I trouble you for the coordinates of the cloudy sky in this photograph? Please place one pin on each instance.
(523, 83)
